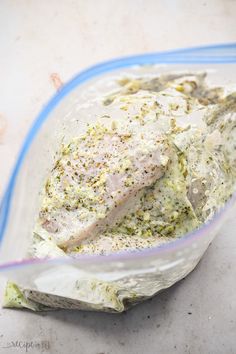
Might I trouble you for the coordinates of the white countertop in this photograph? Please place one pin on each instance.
(40, 38)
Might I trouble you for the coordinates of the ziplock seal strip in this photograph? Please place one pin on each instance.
(214, 54)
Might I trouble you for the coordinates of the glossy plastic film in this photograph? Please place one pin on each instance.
(120, 280)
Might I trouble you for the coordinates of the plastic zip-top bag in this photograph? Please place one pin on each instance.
(115, 281)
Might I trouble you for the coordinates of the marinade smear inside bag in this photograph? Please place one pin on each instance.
(158, 163)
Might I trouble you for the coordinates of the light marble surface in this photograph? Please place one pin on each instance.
(39, 38)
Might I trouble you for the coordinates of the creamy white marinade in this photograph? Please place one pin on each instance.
(157, 164)
(156, 172)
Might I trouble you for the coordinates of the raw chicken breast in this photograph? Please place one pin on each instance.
(98, 177)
